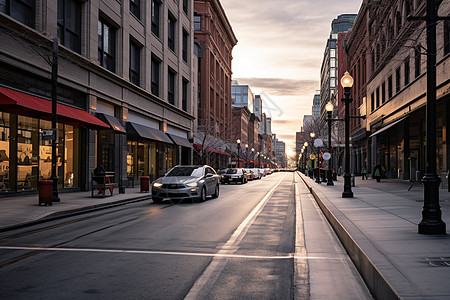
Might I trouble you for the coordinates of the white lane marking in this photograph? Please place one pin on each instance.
(212, 272)
(287, 256)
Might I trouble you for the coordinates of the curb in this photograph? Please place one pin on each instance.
(74, 212)
(375, 281)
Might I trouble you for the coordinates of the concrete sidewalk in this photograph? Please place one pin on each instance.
(378, 228)
(23, 210)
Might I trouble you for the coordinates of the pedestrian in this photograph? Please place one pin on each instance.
(364, 173)
(377, 173)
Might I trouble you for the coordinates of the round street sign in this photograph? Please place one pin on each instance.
(312, 156)
(326, 156)
(318, 143)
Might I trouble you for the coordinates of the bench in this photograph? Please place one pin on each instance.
(103, 182)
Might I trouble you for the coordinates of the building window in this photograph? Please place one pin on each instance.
(417, 60)
(372, 101)
(397, 80)
(407, 71)
(197, 23)
(69, 24)
(21, 10)
(156, 67)
(185, 45)
(390, 87)
(171, 23)
(106, 45)
(186, 6)
(156, 8)
(171, 86)
(135, 63)
(135, 8)
(383, 92)
(378, 96)
(184, 99)
(446, 37)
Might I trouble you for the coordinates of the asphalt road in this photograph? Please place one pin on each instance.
(261, 240)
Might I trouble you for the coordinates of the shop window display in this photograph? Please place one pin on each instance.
(4, 151)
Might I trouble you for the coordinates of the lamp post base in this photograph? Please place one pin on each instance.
(329, 177)
(55, 194)
(347, 186)
(431, 213)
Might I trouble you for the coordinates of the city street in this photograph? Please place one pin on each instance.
(266, 239)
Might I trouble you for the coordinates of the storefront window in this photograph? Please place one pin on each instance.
(70, 159)
(45, 153)
(171, 158)
(106, 145)
(130, 159)
(27, 153)
(152, 161)
(4, 151)
(143, 159)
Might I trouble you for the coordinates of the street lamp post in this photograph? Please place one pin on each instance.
(253, 156)
(329, 108)
(238, 148)
(306, 154)
(246, 155)
(347, 83)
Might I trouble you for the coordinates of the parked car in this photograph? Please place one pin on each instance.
(263, 172)
(235, 175)
(221, 173)
(186, 182)
(257, 173)
(250, 174)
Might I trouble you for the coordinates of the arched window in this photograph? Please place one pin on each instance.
(398, 23)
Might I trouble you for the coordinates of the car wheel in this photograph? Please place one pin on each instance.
(216, 192)
(157, 200)
(202, 197)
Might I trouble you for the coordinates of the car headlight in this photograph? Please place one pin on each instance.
(192, 184)
(157, 184)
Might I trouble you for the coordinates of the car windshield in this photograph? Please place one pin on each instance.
(232, 171)
(186, 171)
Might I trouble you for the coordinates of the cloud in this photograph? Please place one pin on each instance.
(281, 86)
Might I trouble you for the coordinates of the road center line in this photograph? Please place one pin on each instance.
(212, 272)
(119, 251)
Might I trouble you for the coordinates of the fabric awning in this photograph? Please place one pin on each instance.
(180, 141)
(198, 147)
(113, 122)
(19, 103)
(145, 132)
(387, 127)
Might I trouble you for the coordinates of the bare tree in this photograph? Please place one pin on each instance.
(207, 138)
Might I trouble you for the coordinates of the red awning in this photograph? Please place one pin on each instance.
(198, 147)
(19, 103)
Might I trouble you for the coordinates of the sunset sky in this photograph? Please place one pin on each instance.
(279, 54)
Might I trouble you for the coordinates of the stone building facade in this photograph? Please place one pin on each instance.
(129, 63)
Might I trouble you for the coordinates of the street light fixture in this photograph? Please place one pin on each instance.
(238, 148)
(347, 83)
(253, 156)
(329, 108)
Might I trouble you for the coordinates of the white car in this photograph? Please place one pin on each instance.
(181, 182)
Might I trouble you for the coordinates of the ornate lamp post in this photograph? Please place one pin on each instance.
(246, 155)
(329, 108)
(306, 154)
(239, 148)
(347, 83)
(253, 156)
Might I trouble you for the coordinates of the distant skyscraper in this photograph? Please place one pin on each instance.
(316, 107)
(241, 95)
(329, 72)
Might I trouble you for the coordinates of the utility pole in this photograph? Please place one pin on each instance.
(431, 213)
(54, 177)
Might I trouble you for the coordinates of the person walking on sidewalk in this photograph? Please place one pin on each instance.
(377, 173)
(364, 173)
